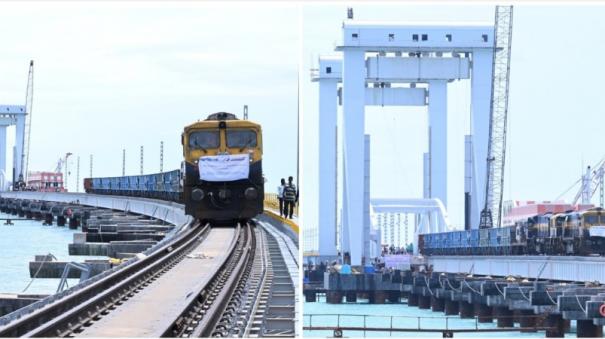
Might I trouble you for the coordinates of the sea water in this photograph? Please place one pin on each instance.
(393, 315)
(19, 244)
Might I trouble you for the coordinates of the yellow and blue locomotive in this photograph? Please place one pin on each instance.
(221, 177)
(222, 169)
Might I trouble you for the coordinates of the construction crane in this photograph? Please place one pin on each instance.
(492, 211)
(60, 164)
(29, 101)
(591, 182)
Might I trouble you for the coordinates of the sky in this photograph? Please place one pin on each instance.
(113, 76)
(556, 115)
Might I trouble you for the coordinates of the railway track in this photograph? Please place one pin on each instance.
(209, 281)
(107, 300)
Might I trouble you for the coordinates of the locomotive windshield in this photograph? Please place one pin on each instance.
(590, 220)
(241, 138)
(204, 139)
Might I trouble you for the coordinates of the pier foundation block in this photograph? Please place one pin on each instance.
(394, 297)
(310, 296)
(527, 319)
(558, 326)
(504, 317)
(424, 302)
(466, 310)
(48, 219)
(377, 297)
(437, 304)
(586, 329)
(74, 223)
(567, 325)
(483, 313)
(351, 297)
(413, 299)
(334, 297)
(517, 316)
(451, 307)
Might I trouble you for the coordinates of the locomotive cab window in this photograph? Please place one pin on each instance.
(241, 138)
(591, 220)
(204, 139)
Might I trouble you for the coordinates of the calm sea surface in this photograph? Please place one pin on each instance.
(20, 243)
(324, 314)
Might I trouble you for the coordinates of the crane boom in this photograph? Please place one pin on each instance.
(29, 101)
(590, 183)
(492, 211)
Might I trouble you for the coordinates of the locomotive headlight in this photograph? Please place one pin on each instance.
(251, 193)
(197, 194)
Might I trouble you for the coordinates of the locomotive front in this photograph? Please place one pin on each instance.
(222, 169)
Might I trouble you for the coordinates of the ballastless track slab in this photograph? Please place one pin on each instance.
(150, 311)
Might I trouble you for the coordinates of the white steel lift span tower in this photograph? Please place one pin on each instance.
(20, 116)
(381, 64)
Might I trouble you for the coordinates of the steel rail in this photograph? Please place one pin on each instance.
(237, 313)
(196, 308)
(214, 313)
(262, 284)
(96, 299)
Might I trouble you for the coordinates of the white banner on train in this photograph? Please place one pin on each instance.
(597, 231)
(225, 167)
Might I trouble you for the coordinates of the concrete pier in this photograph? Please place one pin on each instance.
(12, 302)
(483, 312)
(555, 321)
(528, 319)
(437, 304)
(112, 249)
(586, 329)
(394, 297)
(54, 269)
(413, 299)
(466, 310)
(334, 297)
(424, 302)
(61, 220)
(504, 317)
(310, 296)
(377, 297)
(451, 307)
(351, 297)
(510, 300)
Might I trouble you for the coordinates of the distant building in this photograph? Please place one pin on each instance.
(45, 182)
(513, 211)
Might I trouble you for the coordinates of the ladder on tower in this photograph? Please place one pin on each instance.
(491, 213)
(29, 101)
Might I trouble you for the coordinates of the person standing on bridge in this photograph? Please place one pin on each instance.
(280, 196)
(290, 198)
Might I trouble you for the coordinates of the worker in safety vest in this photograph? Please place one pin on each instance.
(290, 198)
(280, 196)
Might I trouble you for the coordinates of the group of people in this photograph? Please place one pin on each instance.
(288, 197)
(386, 250)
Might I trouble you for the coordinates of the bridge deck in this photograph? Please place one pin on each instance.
(149, 312)
(571, 268)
